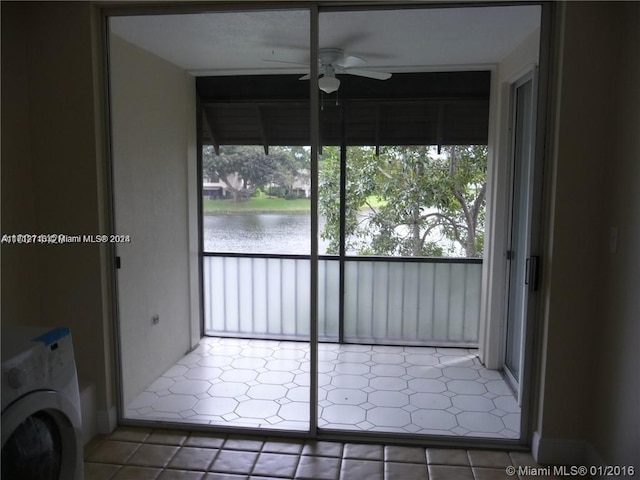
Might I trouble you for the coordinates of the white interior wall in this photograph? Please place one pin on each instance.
(615, 432)
(52, 182)
(19, 263)
(589, 388)
(153, 143)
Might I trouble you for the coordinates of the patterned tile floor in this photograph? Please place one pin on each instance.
(145, 454)
(261, 383)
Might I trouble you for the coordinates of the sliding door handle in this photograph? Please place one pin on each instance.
(532, 273)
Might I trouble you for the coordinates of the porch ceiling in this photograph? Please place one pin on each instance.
(400, 39)
(247, 65)
(443, 108)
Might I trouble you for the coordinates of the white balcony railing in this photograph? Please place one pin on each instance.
(408, 301)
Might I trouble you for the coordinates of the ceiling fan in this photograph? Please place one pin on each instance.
(332, 61)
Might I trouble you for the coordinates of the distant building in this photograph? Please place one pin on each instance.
(301, 186)
(215, 189)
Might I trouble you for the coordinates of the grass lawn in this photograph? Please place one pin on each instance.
(374, 201)
(258, 205)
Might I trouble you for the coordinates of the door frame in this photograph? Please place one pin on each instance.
(546, 44)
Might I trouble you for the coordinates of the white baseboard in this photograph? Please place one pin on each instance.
(107, 420)
(88, 411)
(558, 451)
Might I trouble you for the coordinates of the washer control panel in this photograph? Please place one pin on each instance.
(40, 362)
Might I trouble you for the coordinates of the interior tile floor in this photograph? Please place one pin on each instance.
(145, 454)
(262, 383)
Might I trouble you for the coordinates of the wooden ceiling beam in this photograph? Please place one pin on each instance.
(440, 127)
(208, 122)
(261, 128)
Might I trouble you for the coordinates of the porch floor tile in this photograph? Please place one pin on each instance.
(418, 390)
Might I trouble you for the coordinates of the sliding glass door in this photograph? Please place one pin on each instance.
(214, 101)
(256, 214)
(322, 174)
(403, 177)
(523, 268)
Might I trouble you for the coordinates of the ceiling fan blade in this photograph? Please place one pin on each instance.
(349, 61)
(367, 73)
(283, 61)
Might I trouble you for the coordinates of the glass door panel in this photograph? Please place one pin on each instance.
(410, 272)
(257, 218)
(523, 116)
(249, 176)
(404, 120)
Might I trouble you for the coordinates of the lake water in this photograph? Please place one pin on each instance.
(260, 233)
(274, 233)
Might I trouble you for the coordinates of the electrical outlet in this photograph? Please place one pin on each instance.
(155, 319)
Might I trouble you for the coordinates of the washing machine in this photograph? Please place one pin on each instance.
(41, 421)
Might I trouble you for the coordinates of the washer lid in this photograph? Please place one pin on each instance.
(19, 339)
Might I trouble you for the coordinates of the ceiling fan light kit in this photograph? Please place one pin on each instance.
(328, 82)
(332, 61)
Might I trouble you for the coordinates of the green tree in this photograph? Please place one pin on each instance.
(466, 183)
(407, 201)
(244, 169)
